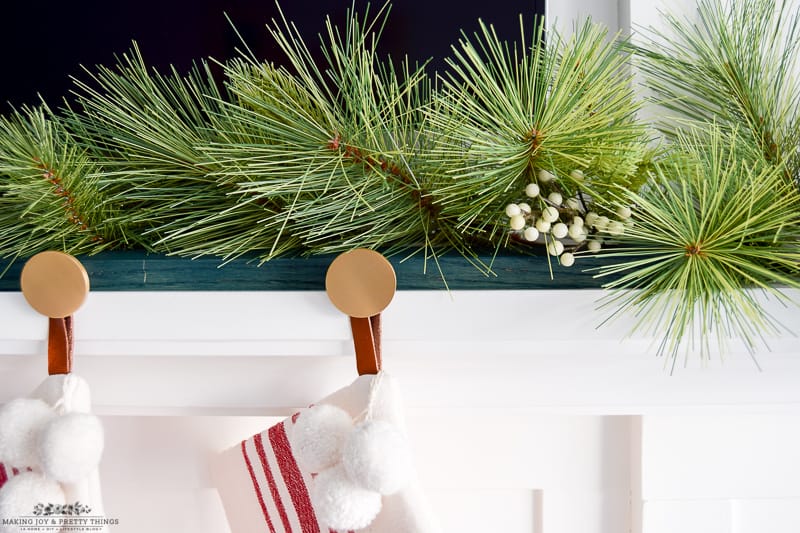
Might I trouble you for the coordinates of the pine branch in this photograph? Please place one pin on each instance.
(510, 111)
(148, 131)
(50, 194)
(735, 66)
(712, 227)
(339, 145)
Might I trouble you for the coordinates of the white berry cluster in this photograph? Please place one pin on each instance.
(557, 219)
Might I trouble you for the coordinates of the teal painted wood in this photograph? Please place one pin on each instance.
(137, 271)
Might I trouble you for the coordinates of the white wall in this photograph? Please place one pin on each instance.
(736, 473)
(553, 425)
(564, 13)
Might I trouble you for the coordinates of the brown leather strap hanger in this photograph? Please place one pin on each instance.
(367, 342)
(361, 283)
(60, 345)
(56, 284)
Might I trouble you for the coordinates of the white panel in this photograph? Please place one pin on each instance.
(721, 456)
(270, 323)
(774, 515)
(155, 471)
(512, 450)
(581, 511)
(564, 12)
(148, 508)
(679, 516)
(562, 383)
(581, 465)
(506, 511)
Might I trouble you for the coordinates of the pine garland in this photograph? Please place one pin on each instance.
(309, 158)
(541, 134)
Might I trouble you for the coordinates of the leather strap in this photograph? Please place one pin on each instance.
(367, 341)
(59, 346)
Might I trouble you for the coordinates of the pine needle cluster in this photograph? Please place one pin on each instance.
(717, 229)
(712, 235)
(50, 195)
(509, 112)
(733, 64)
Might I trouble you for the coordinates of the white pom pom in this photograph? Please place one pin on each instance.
(517, 222)
(376, 456)
(594, 246)
(20, 422)
(70, 446)
(525, 208)
(591, 218)
(319, 435)
(573, 203)
(20, 495)
(70, 391)
(555, 198)
(341, 504)
(532, 190)
(624, 212)
(531, 234)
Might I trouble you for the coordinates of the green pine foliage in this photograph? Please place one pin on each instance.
(50, 191)
(355, 151)
(734, 64)
(509, 110)
(336, 146)
(148, 133)
(712, 235)
(718, 227)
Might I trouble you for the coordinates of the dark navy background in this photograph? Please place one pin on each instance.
(42, 43)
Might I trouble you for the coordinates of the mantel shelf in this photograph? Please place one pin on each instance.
(139, 271)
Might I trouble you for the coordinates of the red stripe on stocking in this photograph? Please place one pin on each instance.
(293, 479)
(273, 487)
(256, 487)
